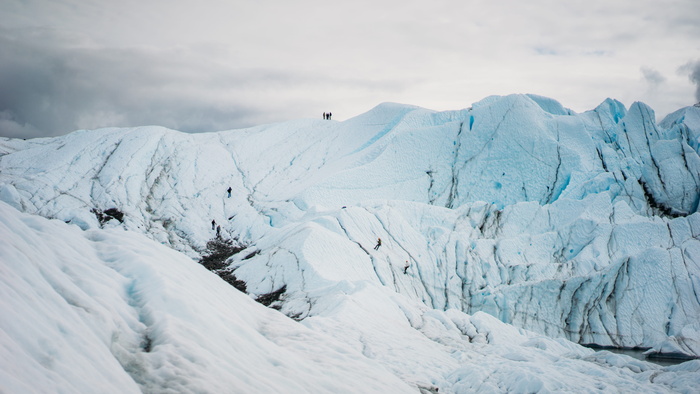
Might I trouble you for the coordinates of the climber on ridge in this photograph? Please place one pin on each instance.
(379, 243)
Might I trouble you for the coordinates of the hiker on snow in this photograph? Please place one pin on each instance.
(379, 243)
(218, 231)
(405, 267)
(213, 224)
(229, 192)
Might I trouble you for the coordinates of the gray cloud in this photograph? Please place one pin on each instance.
(49, 88)
(653, 77)
(692, 69)
(51, 85)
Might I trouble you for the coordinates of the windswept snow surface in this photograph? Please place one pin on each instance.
(112, 311)
(578, 226)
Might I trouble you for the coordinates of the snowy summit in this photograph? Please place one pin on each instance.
(404, 250)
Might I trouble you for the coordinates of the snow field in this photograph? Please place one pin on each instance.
(111, 311)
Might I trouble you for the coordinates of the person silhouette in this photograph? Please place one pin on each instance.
(379, 243)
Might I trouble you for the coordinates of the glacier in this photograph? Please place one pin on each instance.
(524, 226)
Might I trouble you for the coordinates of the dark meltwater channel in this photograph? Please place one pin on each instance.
(638, 353)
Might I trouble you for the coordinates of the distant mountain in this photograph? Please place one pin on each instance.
(577, 226)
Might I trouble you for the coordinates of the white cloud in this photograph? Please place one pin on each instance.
(218, 64)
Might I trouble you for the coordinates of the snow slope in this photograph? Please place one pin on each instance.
(579, 226)
(111, 311)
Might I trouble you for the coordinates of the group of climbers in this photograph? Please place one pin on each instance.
(379, 244)
(217, 228)
(214, 226)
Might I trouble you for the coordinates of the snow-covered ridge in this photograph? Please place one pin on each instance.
(583, 226)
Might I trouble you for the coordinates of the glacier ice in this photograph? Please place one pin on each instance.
(577, 226)
(113, 311)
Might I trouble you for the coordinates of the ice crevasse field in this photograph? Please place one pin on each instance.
(511, 232)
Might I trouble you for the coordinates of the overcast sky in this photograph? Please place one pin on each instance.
(210, 65)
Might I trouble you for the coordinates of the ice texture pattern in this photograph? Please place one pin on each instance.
(527, 228)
